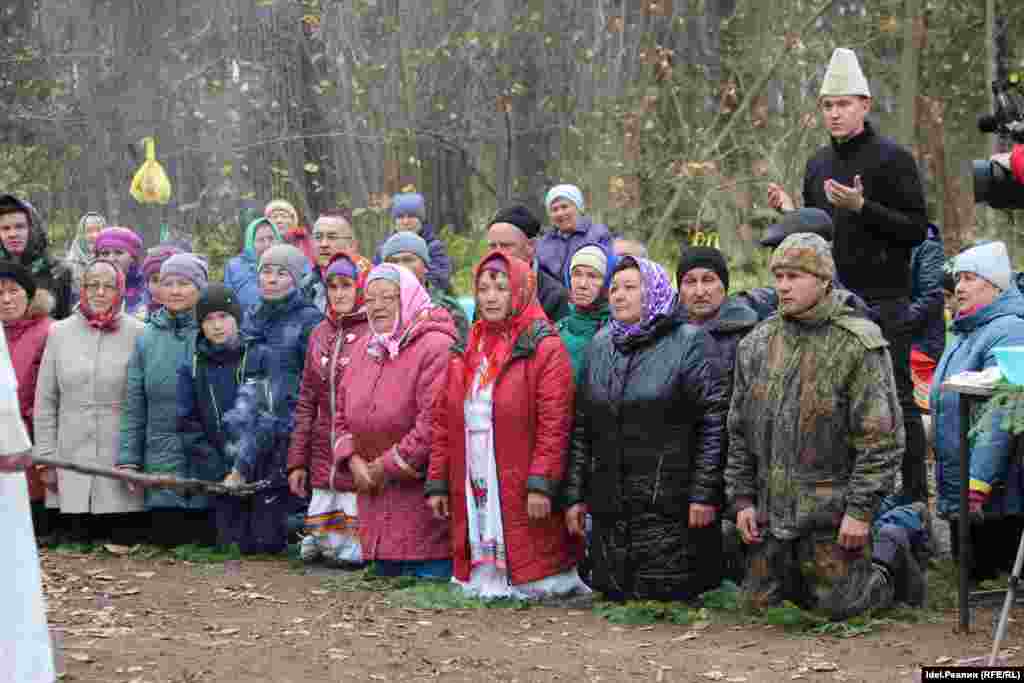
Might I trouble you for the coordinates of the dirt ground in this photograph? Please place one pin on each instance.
(127, 620)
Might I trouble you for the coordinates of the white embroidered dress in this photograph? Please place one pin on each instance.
(25, 655)
(489, 570)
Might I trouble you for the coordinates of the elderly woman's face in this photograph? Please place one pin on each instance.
(586, 283)
(409, 223)
(275, 282)
(100, 286)
(626, 296)
(13, 300)
(493, 296)
(341, 292)
(179, 293)
(973, 290)
(382, 304)
(283, 219)
(563, 214)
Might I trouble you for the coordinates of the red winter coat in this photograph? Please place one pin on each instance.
(327, 358)
(385, 406)
(533, 412)
(26, 339)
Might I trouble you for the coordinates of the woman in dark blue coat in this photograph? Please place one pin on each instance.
(278, 328)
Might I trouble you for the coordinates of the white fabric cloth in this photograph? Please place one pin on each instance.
(844, 76)
(25, 655)
(489, 572)
(332, 528)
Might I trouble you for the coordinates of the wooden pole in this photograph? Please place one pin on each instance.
(163, 481)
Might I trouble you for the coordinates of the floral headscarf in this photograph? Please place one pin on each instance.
(659, 297)
(347, 265)
(109, 321)
(414, 302)
(493, 341)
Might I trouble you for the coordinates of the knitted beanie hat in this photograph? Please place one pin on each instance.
(189, 266)
(404, 241)
(990, 261)
(409, 204)
(565, 191)
(593, 256)
(119, 238)
(288, 257)
(20, 274)
(807, 252)
(844, 76)
(155, 258)
(519, 216)
(703, 257)
(217, 297)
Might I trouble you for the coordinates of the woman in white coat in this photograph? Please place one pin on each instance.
(25, 654)
(79, 394)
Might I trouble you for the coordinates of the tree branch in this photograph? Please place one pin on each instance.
(661, 228)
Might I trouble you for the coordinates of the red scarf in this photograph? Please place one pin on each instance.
(111, 320)
(495, 341)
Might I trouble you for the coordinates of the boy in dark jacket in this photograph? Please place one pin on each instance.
(211, 383)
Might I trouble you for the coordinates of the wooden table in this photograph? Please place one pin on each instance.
(969, 395)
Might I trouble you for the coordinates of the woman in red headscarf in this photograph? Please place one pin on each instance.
(501, 430)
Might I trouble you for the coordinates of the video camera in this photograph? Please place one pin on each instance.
(993, 184)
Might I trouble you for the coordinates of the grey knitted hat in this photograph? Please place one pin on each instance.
(288, 257)
(405, 242)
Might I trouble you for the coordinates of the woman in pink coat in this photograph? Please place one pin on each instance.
(383, 424)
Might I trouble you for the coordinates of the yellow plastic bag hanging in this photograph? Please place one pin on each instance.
(151, 184)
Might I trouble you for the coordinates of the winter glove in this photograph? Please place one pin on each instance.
(976, 501)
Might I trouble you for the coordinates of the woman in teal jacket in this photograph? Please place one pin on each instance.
(150, 441)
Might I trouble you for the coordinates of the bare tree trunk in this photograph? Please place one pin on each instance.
(909, 70)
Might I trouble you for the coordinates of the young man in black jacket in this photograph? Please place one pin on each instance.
(871, 187)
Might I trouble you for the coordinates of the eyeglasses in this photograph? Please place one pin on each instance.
(96, 287)
(383, 301)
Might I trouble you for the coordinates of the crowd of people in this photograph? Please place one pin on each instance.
(593, 424)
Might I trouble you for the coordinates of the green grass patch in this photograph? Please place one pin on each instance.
(725, 598)
(439, 595)
(74, 548)
(943, 584)
(200, 554)
(642, 612)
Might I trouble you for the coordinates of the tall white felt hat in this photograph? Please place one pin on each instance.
(844, 76)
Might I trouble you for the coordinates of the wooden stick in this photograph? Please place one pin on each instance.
(161, 481)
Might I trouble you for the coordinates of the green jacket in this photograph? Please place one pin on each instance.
(576, 331)
(149, 417)
(815, 428)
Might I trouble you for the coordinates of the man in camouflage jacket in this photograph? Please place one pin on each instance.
(815, 437)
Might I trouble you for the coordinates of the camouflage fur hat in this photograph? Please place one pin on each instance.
(807, 252)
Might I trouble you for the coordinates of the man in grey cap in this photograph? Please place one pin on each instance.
(765, 300)
(410, 250)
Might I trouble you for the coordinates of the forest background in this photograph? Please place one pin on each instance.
(672, 115)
